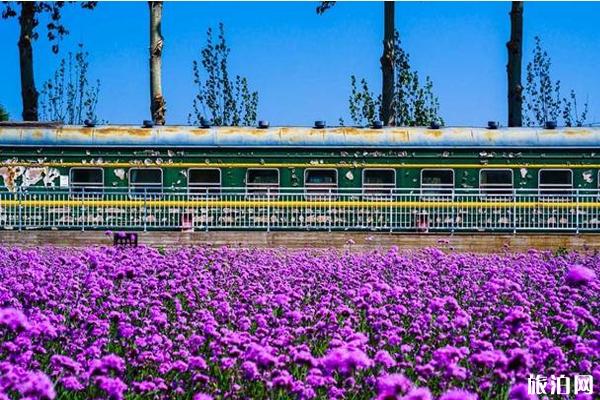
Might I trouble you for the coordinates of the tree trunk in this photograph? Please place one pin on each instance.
(515, 57)
(387, 66)
(29, 94)
(157, 101)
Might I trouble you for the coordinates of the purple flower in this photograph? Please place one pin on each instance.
(202, 396)
(197, 362)
(458, 395)
(520, 392)
(345, 360)
(250, 370)
(418, 394)
(71, 383)
(391, 386)
(14, 319)
(37, 385)
(384, 358)
(114, 387)
(261, 355)
(520, 360)
(65, 363)
(579, 276)
(110, 362)
(303, 323)
(144, 386)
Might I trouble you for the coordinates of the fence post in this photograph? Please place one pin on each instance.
(391, 210)
(453, 208)
(577, 211)
(268, 209)
(514, 197)
(208, 210)
(20, 201)
(330, 212)
(82, 208)
(145, 209)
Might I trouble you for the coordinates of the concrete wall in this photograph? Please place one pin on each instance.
(481, 243)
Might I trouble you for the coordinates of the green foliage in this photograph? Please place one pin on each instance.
(542, 97)
(223, 101)
(324, 6)
(55, 30)
(364, 105)
(561, 251)
(69, 96)
(415, 104)
(3, 113)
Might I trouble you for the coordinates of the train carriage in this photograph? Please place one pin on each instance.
(291, 178)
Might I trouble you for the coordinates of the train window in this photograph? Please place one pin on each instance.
(262, 181)
(204, 180)
(86, 180)
(145, 181)
(320, 180)
(555, 182)
(437, 181)
(379, 181)
(496, 181)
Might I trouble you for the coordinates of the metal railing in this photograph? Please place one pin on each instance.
(393, 210)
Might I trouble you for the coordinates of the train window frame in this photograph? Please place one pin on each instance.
(378, 190)
(484, 189)
(263, 189)
(312, 189)
(210, 188)
(548, 193)
(72, 184)
(132, 193)
(429, 193)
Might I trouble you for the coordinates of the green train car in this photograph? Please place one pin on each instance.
(393, 179)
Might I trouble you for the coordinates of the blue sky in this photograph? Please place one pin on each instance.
(301, 62)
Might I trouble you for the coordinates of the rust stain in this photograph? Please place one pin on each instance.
(37, 134)
(353, 131)
(400, 135)
(577, 132)
(199, 132)
(491, 135)
(73, 132)
(249, 131)
(135, 132)
(298, 135)
(549, 132)
(173, 129)
(436, 133)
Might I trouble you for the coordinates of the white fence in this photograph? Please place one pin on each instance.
(394, 210)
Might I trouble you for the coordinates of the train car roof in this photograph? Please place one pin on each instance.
(56, 135)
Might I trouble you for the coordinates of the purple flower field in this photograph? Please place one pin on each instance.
(208, 323)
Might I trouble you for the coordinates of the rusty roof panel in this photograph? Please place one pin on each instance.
(184, 136)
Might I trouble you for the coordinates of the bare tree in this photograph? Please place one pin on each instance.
(513, 68)
(387, 59)
(387, 65)
(30, 12)
(29, 94)
(157, 100)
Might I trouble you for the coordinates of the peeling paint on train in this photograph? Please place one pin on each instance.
(290, 137)
(29, 176)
